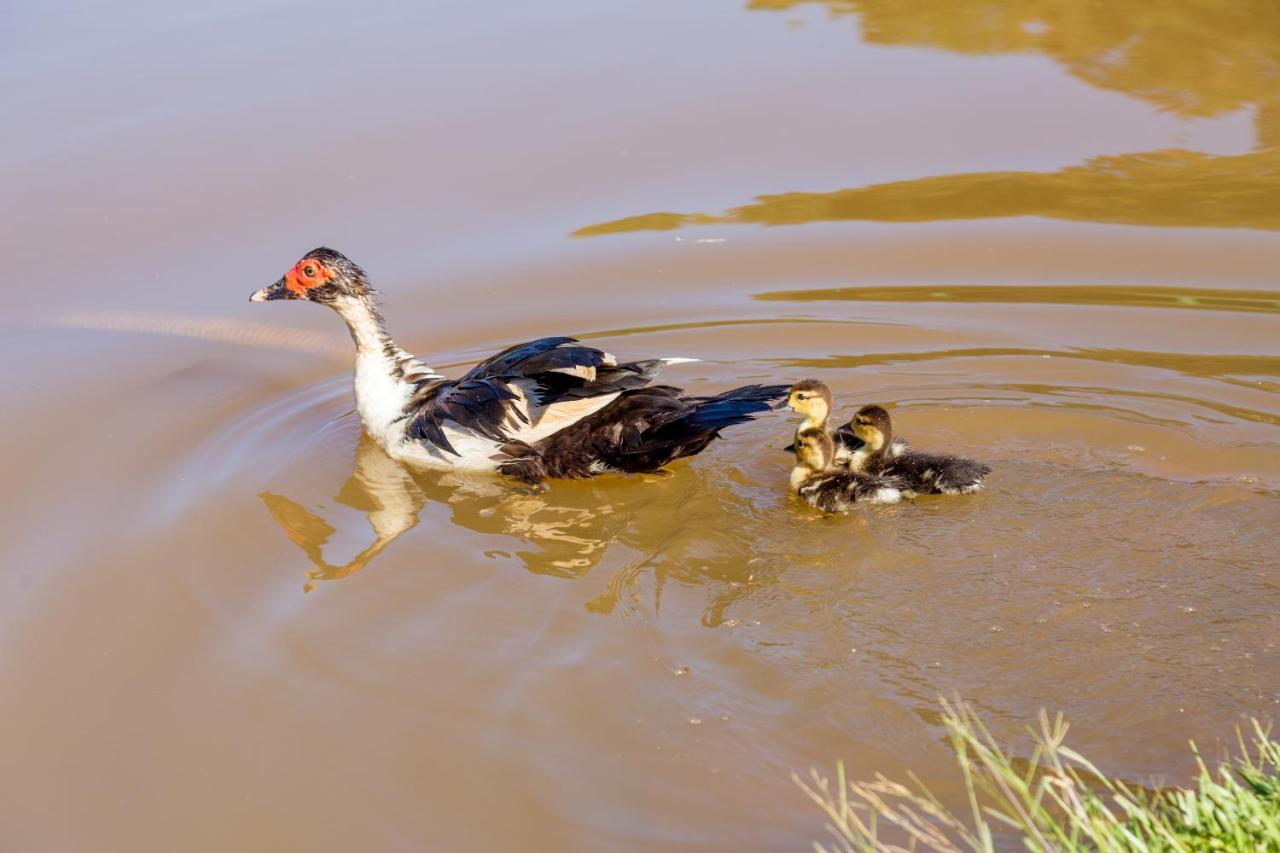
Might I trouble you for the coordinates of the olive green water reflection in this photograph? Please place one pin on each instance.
(1118, 296)
(1195, 59)
(1164, 188)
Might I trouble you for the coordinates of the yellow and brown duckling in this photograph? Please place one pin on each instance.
(813, 399)
(821, 483)
(918, 473)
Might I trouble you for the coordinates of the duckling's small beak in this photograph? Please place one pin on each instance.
(275, 291)
(782, 404)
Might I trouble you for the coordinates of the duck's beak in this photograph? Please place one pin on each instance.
(275, 291)
(779, 406)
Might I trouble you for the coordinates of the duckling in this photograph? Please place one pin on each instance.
(919, 473)
(812, 399)
(821, 484)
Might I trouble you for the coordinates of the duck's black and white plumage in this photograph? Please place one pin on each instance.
(550, 407)
(918, 473)
(823, 484)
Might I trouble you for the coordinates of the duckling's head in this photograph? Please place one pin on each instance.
(812, 399)
(322, 275)
(814, 452)
(873, 426)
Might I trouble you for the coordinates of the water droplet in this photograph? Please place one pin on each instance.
(681, 670)
(695, 721)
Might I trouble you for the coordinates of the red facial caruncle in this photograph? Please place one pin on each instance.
(306, 274)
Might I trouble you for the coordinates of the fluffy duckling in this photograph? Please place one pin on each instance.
(821, 484)
(918, 473)
(813, 399)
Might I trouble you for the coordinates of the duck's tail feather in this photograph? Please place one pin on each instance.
(687, 427)
(736, 406)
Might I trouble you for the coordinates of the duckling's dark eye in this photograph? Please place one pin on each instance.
(801, 397)
(309, 271)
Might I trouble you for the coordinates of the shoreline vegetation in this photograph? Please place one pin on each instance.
(1056, 800)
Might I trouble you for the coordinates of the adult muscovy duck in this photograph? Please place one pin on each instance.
(545, 408)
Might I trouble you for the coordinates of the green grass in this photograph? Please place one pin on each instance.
(1057, 800)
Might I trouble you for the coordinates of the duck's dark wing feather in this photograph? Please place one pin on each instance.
(518, 387)
(535, 357)
(483, 405)
(555, 387)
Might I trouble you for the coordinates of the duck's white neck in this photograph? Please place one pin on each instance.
(386, 376)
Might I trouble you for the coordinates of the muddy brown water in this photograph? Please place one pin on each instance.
(1043, 230)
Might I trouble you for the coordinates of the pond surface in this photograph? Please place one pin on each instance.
(1045, 231)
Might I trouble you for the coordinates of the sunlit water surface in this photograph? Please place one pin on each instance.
(229, 621)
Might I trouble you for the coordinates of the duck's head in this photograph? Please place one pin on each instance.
(812, 399)
(322, 275)
(814, 449)
(814, 452)
(873, 426)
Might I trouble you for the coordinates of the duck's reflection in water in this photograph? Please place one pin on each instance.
(570, 537)
(571, 526)
(714, 526)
